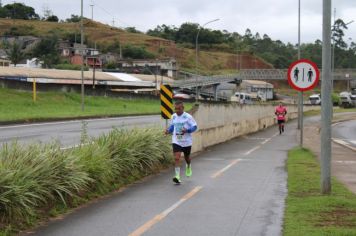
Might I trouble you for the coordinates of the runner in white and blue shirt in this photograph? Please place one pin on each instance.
(181, 127)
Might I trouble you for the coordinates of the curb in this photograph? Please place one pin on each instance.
(46, 120)
(342, 143)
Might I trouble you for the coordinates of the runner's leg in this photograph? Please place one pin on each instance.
(188, 168)
(177, 156)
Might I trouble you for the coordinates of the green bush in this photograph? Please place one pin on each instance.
(133, 52)
(38, 176)
(335, 98)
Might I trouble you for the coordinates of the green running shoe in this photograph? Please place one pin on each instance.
(176, 179)
(188, 170)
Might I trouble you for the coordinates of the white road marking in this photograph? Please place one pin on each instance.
(335, 124)
(251, 151)
(73, 121)
(343, 143)
(345, 162)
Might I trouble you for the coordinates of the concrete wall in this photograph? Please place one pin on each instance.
(218, 123)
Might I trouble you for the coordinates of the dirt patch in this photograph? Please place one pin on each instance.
(339, 217)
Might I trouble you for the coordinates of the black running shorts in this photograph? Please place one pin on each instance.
(281, 122)
(185, 150)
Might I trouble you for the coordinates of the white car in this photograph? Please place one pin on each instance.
(182, 96)
(315, 99)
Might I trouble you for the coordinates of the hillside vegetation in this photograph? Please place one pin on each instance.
(108, 38)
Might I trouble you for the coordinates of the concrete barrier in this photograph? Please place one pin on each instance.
(218, 123)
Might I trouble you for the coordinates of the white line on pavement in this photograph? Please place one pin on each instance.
(73, 121)
(251, 151)
(343, 143)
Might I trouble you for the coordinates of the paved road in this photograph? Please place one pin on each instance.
(345, 132)
(68, 132)
(237, 188)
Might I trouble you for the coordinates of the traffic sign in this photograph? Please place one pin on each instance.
(166, 94)
(303, 75)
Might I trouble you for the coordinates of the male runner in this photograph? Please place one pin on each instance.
(281, 113)
(182, 126)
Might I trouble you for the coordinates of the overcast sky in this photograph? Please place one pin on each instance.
(276, 18)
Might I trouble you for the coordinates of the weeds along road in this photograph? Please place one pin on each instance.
(68, 133)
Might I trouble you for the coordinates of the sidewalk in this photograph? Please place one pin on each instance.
(343, 159)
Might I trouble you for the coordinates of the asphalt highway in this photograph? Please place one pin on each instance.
(68, 133)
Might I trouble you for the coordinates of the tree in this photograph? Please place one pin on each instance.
(15, 53)
(187, 33)
(46, 50)
(19, 11)
(338, 33)
(52, 18)
(73, 19)
(132, 30)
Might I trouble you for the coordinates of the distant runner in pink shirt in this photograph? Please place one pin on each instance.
(281, 112)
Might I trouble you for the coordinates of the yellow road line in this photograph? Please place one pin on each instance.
(163, 214)
(220, 172)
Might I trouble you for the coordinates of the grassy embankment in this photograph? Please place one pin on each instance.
(18, 106)
(307, 211)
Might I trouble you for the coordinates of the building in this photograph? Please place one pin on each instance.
(4, 62)
(166, 67)
(29, 63)
(257, 88)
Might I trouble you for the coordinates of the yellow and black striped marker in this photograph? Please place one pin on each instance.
(166, 102)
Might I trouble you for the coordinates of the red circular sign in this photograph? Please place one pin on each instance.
(303, 75)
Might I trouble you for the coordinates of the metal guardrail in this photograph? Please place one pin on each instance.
(281, 74)
(202, 81)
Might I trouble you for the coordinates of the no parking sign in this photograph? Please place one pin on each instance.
(303, 75)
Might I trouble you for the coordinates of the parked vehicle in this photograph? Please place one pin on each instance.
(244, 98)
(315, 99)
(182, 96)
(347, 100)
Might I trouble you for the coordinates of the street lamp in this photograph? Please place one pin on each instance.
(196, 57)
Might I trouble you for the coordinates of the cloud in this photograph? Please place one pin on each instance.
(277, 18)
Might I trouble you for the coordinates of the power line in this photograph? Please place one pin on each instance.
(112, 15)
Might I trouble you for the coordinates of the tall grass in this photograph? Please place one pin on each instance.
(38, 177)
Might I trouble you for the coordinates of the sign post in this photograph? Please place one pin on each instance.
(303, 75)
(166, 95)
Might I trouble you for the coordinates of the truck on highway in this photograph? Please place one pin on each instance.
(315, 99)
(347, 100)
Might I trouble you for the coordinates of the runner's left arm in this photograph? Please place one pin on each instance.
(192, 125)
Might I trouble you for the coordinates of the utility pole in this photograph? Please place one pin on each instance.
(82, 53)
(92, 11)
(300, 94)
(326, 104)
(113, 22)
(94, 72)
